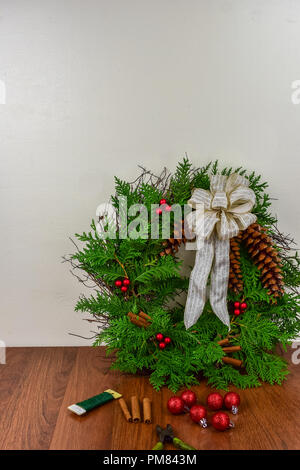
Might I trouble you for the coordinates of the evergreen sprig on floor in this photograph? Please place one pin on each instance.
(156, 285)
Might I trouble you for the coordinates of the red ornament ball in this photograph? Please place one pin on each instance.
(232, 401)
(126, 282)
(175, 405)
(118, 283)
(167, 340)
(189, 397)
(197, 413)
(168, 208)
(158, 211)
(162, 345)
(159, 337)
(236, 304)
(214, 401)
(162, 201)
(124, 289)
(237, 311)
(221, 421)
(244, 305)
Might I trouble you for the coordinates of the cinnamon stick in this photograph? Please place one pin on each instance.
(144, 315)
(147, 410)
(231, 349)
(135, 409)
(125, 410)
(233, 362)
(223, 341)
(139, 321)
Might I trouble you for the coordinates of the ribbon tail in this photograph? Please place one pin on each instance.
(196, 297)
(219, 280)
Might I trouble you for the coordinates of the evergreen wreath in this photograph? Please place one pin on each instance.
(132, 319)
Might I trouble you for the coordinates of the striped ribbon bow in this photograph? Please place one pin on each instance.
(221, 213)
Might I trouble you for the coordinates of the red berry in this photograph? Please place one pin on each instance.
(159, 337)
(118, 283)
(124, 289)
(167, 340)
(175, 405)
(244, 305)
(162, 201)
(221, 421)
(158, 211)
(189, 397)
(126, 282)
(198, 413)
(236, 304)
(214, 401)
(237, 311)
(168, 208)
(162, 345)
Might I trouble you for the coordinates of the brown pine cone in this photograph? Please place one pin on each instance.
(171, 246)
(235, 272)
(265, 257)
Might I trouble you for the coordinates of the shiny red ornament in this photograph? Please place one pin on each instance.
(237, 304)
(237, 311)
(159, 337)
(167, 340)
(118, 283)
(162, 345)
(124, 289)
(189, 397)
(221, 421)
(168, 208)
(214, 401)
(198, 415)
(162, 201)
(126, 282)
(232, 401)
(158, 211)
(244, 305)
(175, 405)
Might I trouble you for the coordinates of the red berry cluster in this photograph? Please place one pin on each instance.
(198, 413)
(165, 207)
(123, 284)
(239, 307)
(162, 342)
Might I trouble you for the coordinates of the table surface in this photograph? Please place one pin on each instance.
(37, 385)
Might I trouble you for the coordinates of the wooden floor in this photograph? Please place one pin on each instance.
(37, 385)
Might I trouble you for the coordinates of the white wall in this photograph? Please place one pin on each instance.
(95, 87)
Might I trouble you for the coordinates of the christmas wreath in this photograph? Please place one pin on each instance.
(242, 294)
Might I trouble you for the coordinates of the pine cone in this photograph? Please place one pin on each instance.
(265, 257)
(235, 273)
(171, 246)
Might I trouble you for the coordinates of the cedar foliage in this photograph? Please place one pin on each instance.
(156, 280)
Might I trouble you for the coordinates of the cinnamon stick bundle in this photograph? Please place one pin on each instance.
(125, 410)
(141, 320)
(135, 409)
(147, 410)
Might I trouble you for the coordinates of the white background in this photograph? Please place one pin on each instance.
(95, 87)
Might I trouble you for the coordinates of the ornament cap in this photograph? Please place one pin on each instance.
(203, 422)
